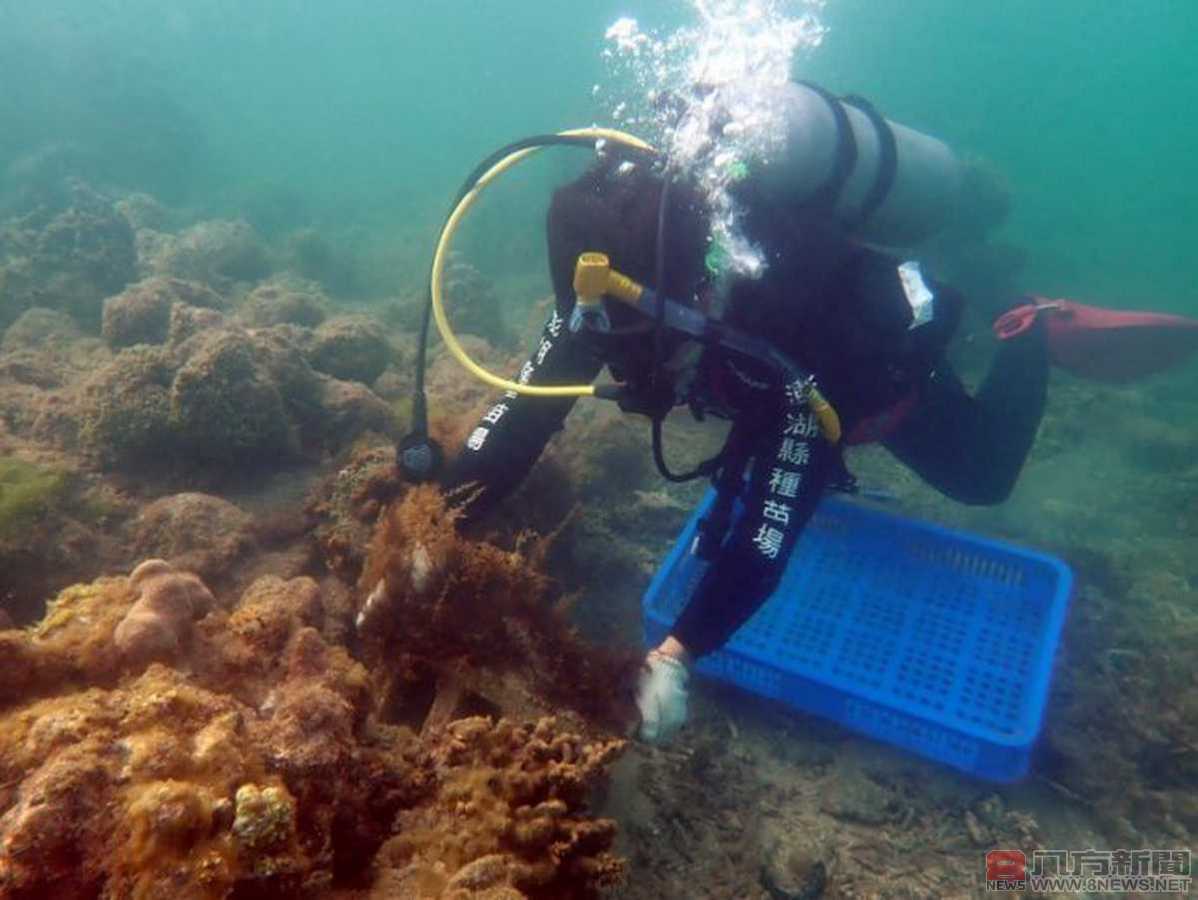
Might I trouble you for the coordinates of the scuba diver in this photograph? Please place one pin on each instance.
(835, 342)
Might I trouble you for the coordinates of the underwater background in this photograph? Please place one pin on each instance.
(369, 113)
(216, 224)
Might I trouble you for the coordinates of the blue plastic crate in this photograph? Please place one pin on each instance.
(933, 640)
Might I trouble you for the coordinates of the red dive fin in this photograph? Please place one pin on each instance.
(1104, 344)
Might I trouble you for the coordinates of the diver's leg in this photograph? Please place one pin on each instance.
(973, 448)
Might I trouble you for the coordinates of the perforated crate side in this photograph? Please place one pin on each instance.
(943, 647)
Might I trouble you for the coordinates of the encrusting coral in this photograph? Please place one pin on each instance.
(238, 749)
(159, 623)
(505, 815)
(213, 772)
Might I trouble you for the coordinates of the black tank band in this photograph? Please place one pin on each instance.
(887, 158)
(846, 152)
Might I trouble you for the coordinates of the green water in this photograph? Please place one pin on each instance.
(359, 118)
(365, 114)
(1086, 107)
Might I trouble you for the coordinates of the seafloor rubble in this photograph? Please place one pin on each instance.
(269, 668)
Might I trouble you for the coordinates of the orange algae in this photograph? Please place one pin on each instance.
(460, 608)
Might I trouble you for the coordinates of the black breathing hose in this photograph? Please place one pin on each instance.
(655, 379)
(418, 456)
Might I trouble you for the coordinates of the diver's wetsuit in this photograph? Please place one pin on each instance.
(840, 311)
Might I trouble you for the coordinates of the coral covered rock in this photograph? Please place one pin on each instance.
(225, 406)
(141, 314)
(37, 327)
(315, 256)
(473, 303)
(506, 815)
(352, 348)
(142, 211)
(219, 396)
(218, 253)
(279, 350)
(394, 385)
(70, 261)
(348, 410)
(279, 302)
(187, 321)
(125, 408)
(194, 531)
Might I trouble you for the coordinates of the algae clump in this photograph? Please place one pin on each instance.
(27, 493)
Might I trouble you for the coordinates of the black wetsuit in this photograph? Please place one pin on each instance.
(838, 309)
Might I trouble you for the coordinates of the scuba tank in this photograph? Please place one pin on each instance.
(884, 182)
(888, 184)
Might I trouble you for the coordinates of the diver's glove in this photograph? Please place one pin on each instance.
(661, 697)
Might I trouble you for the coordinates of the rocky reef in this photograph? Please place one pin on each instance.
(215, 252)
(228, 719)
(68, 259)
(309, 684)
(155, 738)
(144, 312)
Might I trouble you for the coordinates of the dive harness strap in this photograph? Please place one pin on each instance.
(729, 482)
(595, 280)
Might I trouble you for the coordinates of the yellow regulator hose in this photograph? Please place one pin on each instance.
(442, 254)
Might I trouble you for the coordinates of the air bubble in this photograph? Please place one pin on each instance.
(702, 93)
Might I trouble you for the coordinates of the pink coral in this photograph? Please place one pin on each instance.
(160, 621)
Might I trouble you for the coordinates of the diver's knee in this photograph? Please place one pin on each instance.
(986, 492)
